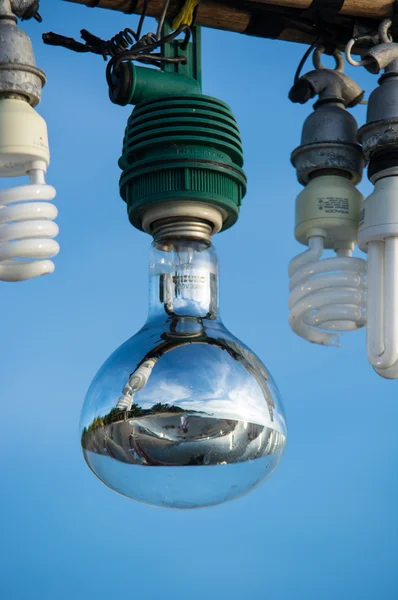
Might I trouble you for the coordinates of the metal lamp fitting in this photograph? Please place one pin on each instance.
(328, 163)
(22, 9)
(331, 85)
(382, 54)
(328, 140)
(379, 137)
(19, 76)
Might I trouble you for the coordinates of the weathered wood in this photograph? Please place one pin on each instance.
(213, 15)
(372, 9)
(254, 16)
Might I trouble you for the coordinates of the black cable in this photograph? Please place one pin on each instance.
(157, 61)
(125, 45)
(304, 59)
(120, 42)
(162, 18)
(142, 18)
(135, 53)
(54, 39)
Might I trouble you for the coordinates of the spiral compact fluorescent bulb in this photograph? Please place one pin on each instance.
(327, 295)
(26, 212)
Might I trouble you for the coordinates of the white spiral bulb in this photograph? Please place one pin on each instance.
(27, 229)
(327, 296)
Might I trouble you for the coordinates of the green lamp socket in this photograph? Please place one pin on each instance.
(133, 85)
(179, 144)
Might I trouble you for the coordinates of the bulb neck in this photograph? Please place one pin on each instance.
(183, 282)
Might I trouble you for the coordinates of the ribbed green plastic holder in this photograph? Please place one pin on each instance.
(182, 147)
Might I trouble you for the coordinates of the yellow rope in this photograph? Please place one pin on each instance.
(185, 16)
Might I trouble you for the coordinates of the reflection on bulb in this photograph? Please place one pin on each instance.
(183, 415)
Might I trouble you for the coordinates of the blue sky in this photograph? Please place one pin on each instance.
(325, 525)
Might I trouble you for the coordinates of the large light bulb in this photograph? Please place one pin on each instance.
(183, 415)
(378, 236)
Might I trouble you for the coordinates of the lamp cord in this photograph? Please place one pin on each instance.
(127, 45)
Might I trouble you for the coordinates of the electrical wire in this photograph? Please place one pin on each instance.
(127, 45)
(162, 19)
(304, 59)
(142, 19)
(142, 54)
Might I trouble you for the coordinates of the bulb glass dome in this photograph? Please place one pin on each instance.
(183, 415)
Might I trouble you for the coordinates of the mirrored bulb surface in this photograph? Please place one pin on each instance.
(183, 415)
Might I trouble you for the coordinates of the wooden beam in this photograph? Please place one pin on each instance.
(264, 18)
(370, 9)
(214, 15)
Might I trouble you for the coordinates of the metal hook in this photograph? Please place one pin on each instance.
(338, 57)
(352, 61)
(384, 31)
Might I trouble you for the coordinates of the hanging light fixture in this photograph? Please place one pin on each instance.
(327, 295)
(26, 216)
(378, 231)
(183, 414)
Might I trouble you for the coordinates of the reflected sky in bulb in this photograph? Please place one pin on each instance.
(207, 404)
(325, 525)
